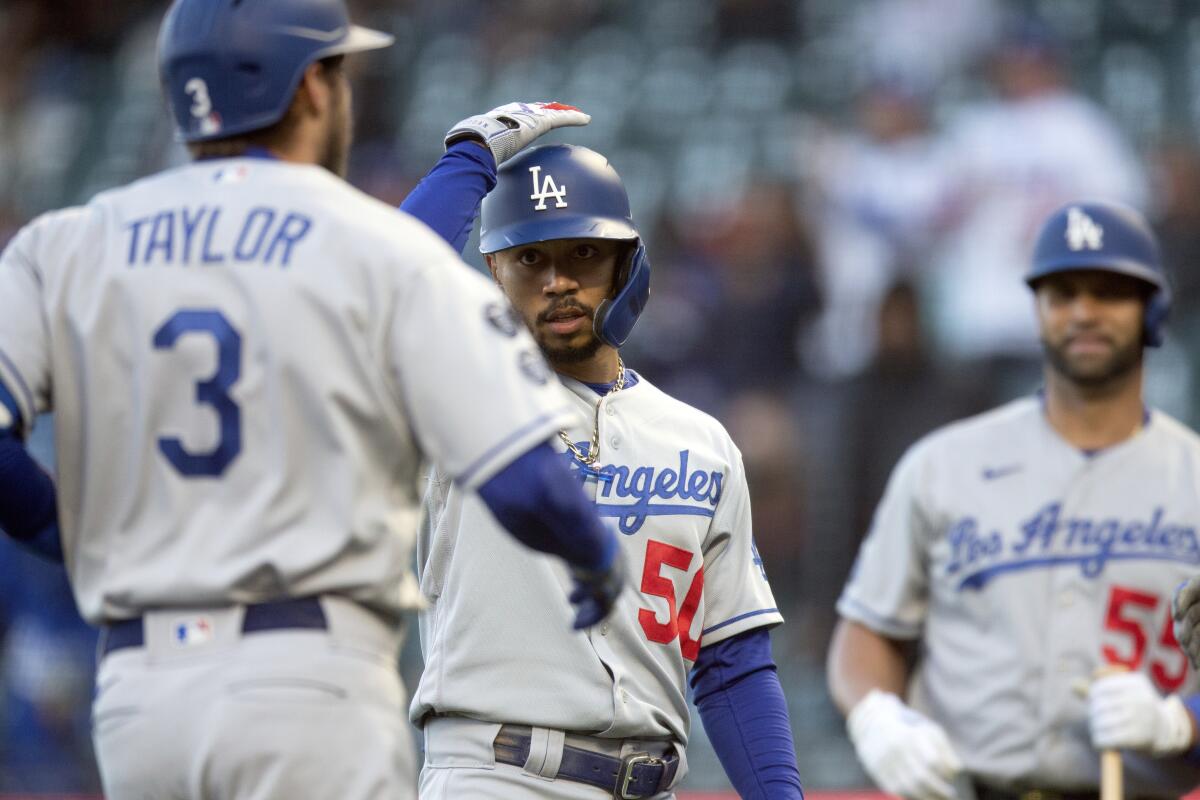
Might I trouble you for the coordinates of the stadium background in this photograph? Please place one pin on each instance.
(829, 191)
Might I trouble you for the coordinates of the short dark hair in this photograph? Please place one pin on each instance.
(276, 135)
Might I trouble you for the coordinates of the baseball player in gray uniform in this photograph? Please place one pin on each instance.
(510, 705)
(1032, 549)
(248, 360)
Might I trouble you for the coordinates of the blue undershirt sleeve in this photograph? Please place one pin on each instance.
(541, 505)
(737, 692)
(447, 199)
(28, 501)
(1192, 703)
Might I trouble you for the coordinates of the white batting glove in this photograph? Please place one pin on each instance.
(1185, 608)
(904, 752)
(1126, 711)
(509, 128)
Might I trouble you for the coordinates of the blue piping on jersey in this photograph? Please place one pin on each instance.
(738, 618)
(631, 380)
(250, 152)
(507, 441)
(978, 579)
(651, 510)
(21, 384)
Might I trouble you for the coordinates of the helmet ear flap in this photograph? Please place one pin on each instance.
(615, 318)
(1155, 317)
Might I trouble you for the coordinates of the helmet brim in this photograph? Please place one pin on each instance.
(360, 39)
(1084, 262)
(558, 227)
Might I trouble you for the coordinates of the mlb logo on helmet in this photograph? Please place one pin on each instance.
(1083, 231)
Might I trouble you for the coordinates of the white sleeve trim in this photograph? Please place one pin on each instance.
(747, 621)
(504, 451)
(12, 379)
(853, 610)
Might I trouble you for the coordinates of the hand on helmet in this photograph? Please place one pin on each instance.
(508, 129)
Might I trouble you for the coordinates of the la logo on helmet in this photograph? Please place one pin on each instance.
(547, 189)
(1083, 232)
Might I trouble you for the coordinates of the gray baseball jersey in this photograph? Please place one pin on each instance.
(247, 360)
(1025, 564)
(495, 634)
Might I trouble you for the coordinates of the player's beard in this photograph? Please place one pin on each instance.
(557, 353)
(1096, 374)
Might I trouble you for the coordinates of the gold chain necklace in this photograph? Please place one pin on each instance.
(593, 452)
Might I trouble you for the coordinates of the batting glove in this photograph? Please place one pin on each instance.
(596, 591)
(1186, 610)
(1126, 711)
(904, 752)
(508, 129)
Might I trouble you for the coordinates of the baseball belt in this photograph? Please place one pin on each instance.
(633, 777)
(303, 613)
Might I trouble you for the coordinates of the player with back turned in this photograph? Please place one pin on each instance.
(248, 360)
(1032, 552)
(510, 705)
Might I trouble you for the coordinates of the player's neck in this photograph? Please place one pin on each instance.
(600, 368)
(1094, 418)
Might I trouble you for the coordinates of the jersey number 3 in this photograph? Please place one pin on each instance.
(213, 392)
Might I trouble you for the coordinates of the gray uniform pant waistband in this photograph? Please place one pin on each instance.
(465, 742)
(176, 632)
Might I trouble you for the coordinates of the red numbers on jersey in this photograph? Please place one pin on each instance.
(1131, 615)
(654, 583)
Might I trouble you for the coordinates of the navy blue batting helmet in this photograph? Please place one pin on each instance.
(232, 66)
(1108, 237)
(562, 191)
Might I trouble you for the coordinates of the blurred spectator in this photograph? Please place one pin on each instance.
(924, 41)
(732, 300)
(1015, 159)
(764, 429)
(879, 193)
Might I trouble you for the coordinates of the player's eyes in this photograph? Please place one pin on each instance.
(528, 257)
(586, 251)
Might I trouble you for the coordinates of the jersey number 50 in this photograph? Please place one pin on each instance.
(679, 623)
(213, 392)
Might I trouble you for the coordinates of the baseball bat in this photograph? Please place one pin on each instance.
(1112, 777)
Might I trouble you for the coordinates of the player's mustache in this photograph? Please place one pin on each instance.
(565, 305)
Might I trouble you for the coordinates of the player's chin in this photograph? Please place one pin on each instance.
(572, 349)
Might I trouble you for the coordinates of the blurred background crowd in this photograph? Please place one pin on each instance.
(838, 200)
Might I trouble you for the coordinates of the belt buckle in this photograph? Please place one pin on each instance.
(625, 776)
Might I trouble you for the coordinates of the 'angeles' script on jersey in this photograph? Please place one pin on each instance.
(646, 484)
(1048, 539)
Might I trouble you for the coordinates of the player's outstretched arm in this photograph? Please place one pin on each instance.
(28, 502)
(904, 752)
(540, 504)
(741, 703)
(447, 199)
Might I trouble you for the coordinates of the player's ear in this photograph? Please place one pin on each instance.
(314, 94)
(490, 258)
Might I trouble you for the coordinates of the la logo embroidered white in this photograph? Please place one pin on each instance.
(1083, 232)
(548, 188)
